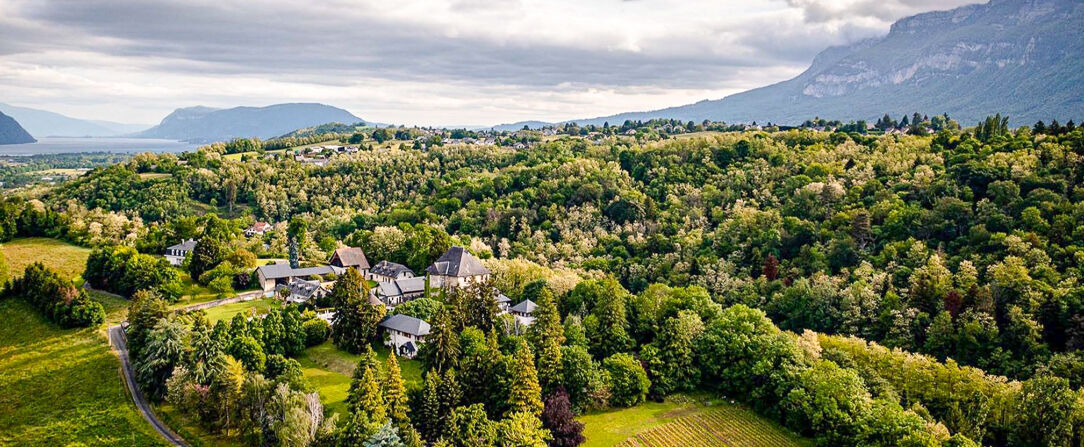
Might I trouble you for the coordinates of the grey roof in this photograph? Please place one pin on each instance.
(391, 269)
(278, 271)
(502, 298)
(525, 307)
(406, 324)
(351, 257)
(188, 245)
(458, 262)
(304, 288)
(405, 286)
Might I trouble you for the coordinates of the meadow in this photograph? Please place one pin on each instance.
(68, 260)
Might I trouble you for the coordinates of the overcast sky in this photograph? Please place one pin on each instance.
(416, 61)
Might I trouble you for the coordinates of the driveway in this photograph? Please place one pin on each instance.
(120, 345)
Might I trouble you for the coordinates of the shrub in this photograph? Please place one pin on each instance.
(57, 298)
(316, 331)
(629, 381)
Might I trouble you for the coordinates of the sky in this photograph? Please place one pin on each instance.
(416, 62)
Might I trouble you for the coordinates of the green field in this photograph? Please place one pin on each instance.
(68, 260)
(329, 369)
(684, 421)
(249, 308)
(63, 386)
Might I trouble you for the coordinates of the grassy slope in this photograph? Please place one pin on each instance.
(63, 386)
(329, 369)
(69, 260)
(250, 308)
(612, 427)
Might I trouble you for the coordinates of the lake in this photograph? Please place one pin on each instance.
(59, 145)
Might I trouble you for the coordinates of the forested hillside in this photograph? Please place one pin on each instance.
(963, 245)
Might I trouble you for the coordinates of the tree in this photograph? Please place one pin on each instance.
(395, 396)
(471, 428)
(366, 362)
(629, 381)
(558, 418)
(524, 391)
(675, 351)
(607, 326)
(441, 348)
(368, 399)
(296, 231)
(211, 249)
(1045, 410)
(249, 352)
(546, 335)
(521, 429)
(587, 383)
(355, 320)
(386, 436)
(162, 351)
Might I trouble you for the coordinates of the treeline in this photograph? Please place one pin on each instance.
(124, 271)
(55, 297)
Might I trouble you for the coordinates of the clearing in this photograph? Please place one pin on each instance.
(330, 369)
(685, 421)
(67, 259)
(63, 386)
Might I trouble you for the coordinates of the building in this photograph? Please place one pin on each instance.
(175, 254)
(523, 312)
(457, 268)
(301, 291)
(405, 334)
(258, 229)
(394, 293)
(385, 271)
(350, 257)
(274, 275)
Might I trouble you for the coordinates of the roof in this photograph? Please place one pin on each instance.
(351, 257)
(391, 269)
(406, 324)
(525, 307)
(188, 245)
(458, 262)
(304, 289)
(405, 286)
(277, 271)
(502, 298)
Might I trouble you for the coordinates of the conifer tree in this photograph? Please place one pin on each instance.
(367, 362)
(441, 348)
(525, 395)
(395, 396)
(546, 335)
(369, 400)
(429, 408)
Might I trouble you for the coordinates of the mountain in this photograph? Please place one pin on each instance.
(519, 125)
(204, 124)
(1017, 57)
(12, 133)
(42, 123)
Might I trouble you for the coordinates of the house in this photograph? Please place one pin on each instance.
(271, 276)
(503, 301)
(302, 291)
(258, 228)
(175, 254)
(405, 334)
(457, 268)
(523, 312)
(348, 257)
(394, 293)
(385, 271)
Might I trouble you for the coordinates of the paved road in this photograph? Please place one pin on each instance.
(120, 344)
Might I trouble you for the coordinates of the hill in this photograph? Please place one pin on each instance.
(1017, 57)
(43, 123)
(12, 133)
(204, 124)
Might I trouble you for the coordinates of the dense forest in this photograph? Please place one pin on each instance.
(962, 244)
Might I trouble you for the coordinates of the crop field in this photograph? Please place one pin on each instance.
(724, 425)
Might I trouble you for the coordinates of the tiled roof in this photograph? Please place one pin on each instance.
(525, 307)
(458, 262)
(351, 257)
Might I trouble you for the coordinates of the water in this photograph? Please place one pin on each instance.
(60, 145)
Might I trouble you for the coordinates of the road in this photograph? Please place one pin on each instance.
(120, 345)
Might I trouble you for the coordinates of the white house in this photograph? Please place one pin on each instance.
(302, 291)
(385, 271)
(523, 312)
(258, 228)
(175, 254)
(405, 334)
(457, 268)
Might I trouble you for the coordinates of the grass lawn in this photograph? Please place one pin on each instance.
(67, 259)
(685, 420)
(250, 308)
(330, 369)
(193, 293)
(63, 386)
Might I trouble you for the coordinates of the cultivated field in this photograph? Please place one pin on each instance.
(684, 421)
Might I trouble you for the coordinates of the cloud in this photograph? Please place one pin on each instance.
(418, 62)
(886, 11)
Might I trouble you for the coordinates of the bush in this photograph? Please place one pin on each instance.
(629, 382)
(124, 271)
(316, 331)
(57, 298)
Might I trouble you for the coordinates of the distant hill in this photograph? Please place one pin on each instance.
(204, 124)
(12, 133)
(43, 123)
(519, 125)
(1021, 58)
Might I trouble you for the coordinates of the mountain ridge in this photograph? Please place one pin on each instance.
(13, 133)
(43, 123)
(200, 124)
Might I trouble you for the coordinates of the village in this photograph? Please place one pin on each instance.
(392, 284)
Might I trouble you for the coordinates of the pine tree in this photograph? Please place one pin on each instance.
(395, 393)
(429, 408)
(546, 335)
(355, 318)
(368, 399)
(367, 362)
(450, 396)
(524, 392)
(441, 348)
